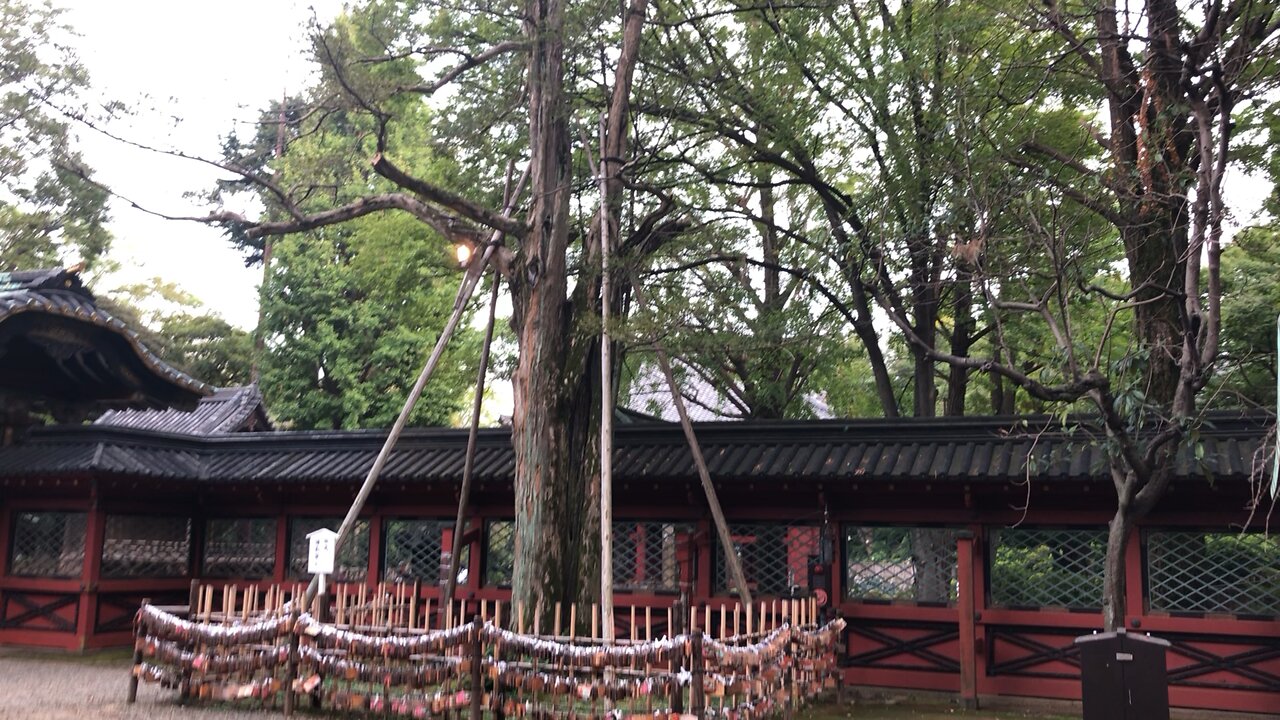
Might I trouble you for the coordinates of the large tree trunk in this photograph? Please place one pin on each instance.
(1113, 577)
(555, 417)
(557, 385)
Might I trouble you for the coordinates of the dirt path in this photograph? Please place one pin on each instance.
(46, 686)
(43, 686)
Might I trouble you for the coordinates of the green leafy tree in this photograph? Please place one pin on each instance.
(174, 325)
(980, 189)
(1173, 79)
(1250, 304)
(522, 82)
(50, 212)
(729, 304)
(348, 315)
(208, 348)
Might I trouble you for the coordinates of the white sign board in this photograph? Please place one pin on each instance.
(324, 543)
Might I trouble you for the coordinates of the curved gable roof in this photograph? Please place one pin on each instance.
(60, 352)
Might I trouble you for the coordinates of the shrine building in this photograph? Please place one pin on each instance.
(965, 554)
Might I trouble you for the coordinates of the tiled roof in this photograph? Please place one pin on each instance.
(977, 450)
(227, 410)
(95, 358)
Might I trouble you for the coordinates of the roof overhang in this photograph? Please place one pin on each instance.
(61, 354)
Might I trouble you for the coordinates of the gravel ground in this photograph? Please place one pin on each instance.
(38, 685)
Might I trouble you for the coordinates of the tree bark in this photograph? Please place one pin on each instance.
(1113, 576)
(557, 384)
(961, 340)
(555, 418)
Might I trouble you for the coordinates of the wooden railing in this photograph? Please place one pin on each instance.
(383, 654)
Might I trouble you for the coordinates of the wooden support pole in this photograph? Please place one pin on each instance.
(137, 659)
(675, 616)
(789, 679)
(700, 462)
(475, 269)
(606, 399)
(468, 465)
(291, 665)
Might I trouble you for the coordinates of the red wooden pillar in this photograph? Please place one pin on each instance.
(6, 523)
(375, 550)
(281, 571)
(836, 569)
(473, 527)
(94, 537)
(1135, 595)
(965, 608)
(704, 564)
(199, 527)
(639, 533)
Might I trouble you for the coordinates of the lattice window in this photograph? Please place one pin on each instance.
(651, 556)
(240, 547)
(47, 544)
(1040, 567)
(352, 563)
(500, 552)
(146, 546)
(419, 550)
(1195, 571)
(900, 563)
(775, 557)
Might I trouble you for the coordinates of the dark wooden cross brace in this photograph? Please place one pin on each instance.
(918, 647)
(1241, 664)
(1041, 653)
(34, 610)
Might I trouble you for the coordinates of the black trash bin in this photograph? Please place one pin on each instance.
(1123, 676)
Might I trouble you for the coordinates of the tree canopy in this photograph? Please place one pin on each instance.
(50, 213)
(948, 206)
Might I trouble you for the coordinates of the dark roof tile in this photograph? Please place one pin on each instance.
(983, 451)
(234, 409)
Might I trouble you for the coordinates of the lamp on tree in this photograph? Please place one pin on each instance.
(463, 250)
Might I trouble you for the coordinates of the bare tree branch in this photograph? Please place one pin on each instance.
(468, 62)
(431, 193)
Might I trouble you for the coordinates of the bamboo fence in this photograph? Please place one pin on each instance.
(382, 652)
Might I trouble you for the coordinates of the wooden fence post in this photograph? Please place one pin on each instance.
(697, 690)
(674, 628)
(291, 665)
(789, 676)
(137, 657)
(477, 684)
(193, 600)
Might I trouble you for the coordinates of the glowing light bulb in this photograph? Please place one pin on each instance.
(463, 252)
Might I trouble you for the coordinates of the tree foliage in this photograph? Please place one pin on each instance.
(175, 326)
(50, 213)
(922, 189)
(348, 316)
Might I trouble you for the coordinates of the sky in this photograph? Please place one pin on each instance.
(191, 71)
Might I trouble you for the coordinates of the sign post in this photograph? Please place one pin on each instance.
(320, 557)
